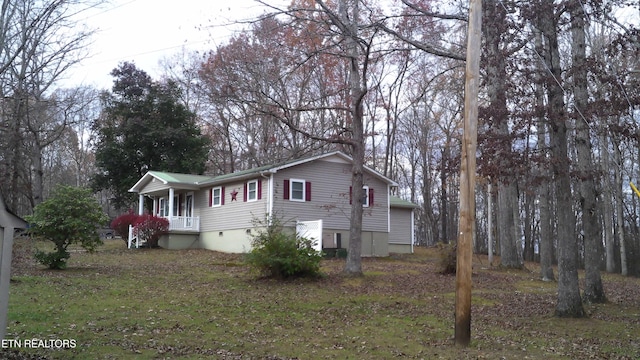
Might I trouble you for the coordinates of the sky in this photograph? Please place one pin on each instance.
(146, 31)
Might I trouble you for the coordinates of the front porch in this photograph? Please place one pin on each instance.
(180, 227)
(184, 223)
(178, 207)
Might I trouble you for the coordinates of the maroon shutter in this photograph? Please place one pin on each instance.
(211, 197)
(179, 204)
(350, 194)
(222, 195)
(307, 191)
(285, 190)
(259, 189)
(370, 197)
(245, 192)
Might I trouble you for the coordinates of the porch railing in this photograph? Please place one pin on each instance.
(186, 223)
(134, 239)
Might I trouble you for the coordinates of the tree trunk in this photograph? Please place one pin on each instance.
(444, 207)
(620, 209)
(490, 223)
(38, 175)
(569, 300)
(349, 19)
(546, 235)
(528, 254)
(495, 14)
(15, 149)
(593, 291)
(507, 196)
(607, 205)
(546, 225)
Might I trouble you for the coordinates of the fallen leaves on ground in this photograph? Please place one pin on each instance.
(199, 303)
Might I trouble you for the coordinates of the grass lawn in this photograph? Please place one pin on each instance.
(193, 304)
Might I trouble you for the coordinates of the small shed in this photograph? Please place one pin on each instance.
(401, 218)
(8, 223)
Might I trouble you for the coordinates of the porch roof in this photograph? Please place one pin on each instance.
(397, 202)
(173, 179)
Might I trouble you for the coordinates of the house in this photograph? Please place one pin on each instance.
(220, 213)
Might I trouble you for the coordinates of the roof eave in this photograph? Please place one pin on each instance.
(137, 185)
(247, 176)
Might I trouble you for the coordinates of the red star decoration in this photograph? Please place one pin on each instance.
(234, 195)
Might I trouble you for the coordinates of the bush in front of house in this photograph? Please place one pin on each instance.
(149, 228)
(70, 216)
(120, 225)
(278, 254)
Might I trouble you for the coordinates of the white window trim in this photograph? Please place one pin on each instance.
(365, 198)
(176, 205)
(249, 199)
(213, 196)
(304, 190)
(163, 205)
(191, 208)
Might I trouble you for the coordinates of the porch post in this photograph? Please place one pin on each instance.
(171, 214)
(154, 212)
(140, 204)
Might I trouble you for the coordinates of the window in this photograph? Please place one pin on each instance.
(296, 190)
(216, 196)
(163, 207)
(176, 206)
(251, 193)
(367, 196)
(188, 210)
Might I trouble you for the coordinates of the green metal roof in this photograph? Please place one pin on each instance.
(203, 180)
(398, 202)
(176, 178)
(237, 174)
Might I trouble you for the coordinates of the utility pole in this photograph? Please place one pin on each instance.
(468, 177)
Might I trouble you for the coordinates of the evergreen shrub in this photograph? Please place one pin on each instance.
(278, 254)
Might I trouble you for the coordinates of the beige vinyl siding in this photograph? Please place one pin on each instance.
(229, 241)
(400, 226)
(400, 249)
(330, 182)
(373, 243)
(234, 214)
(152, 186)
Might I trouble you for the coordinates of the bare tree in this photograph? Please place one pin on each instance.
(594, 291)
(569, 301)
(499, 137)
(42, 41)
